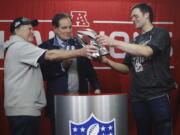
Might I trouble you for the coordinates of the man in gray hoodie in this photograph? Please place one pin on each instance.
(24, 91)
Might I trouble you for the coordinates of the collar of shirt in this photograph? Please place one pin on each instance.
(59, 42)
(66, 44)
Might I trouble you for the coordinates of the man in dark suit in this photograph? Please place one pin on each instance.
(68, 76)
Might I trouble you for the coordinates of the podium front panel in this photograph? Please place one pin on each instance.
(91, 115)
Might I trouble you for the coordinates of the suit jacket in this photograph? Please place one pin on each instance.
(57, 79)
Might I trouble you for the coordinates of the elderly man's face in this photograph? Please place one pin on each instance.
(26, 32)
(64, 31)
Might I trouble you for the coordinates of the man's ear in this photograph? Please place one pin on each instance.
(147, 15)
(16, 31)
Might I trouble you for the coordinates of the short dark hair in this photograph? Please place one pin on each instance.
(145, 9)
(57, 17)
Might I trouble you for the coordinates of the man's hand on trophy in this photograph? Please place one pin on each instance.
(95, 54)
(104, 40)
(67, 63)
(88, 50)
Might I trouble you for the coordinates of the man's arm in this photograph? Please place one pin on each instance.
(134, 49)
(65, 54)
(122, 68)
(51, 60)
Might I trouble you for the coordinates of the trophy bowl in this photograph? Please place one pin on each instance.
(91, 34)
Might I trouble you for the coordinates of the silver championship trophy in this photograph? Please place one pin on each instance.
(91, 34)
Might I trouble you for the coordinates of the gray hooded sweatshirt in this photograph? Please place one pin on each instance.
(23, 82)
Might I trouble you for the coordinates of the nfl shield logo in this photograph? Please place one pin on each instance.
(92, 126)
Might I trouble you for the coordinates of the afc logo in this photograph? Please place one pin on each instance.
(79, 19)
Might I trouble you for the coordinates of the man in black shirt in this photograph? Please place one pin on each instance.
(148, 58)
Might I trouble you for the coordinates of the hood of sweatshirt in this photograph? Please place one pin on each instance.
(13, 39)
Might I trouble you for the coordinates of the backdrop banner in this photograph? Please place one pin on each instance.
(110, 17)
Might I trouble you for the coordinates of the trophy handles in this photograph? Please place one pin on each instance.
(92, 36)
(82, 41)
(87, 32)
